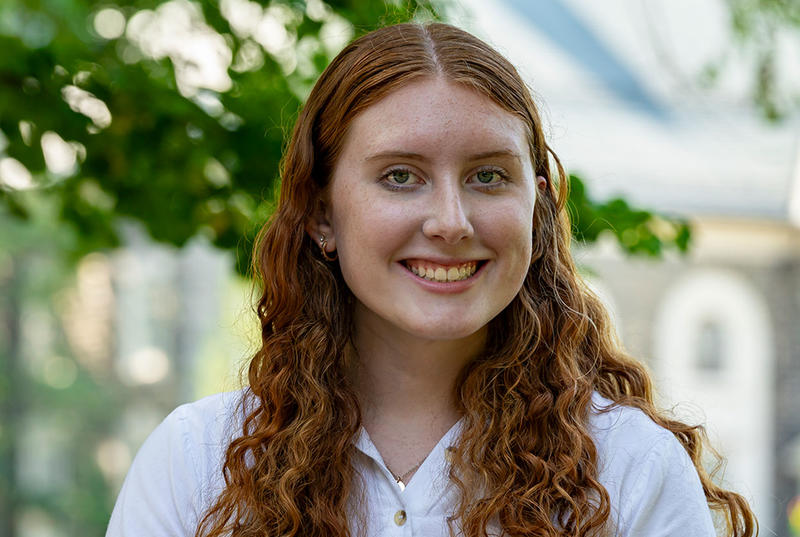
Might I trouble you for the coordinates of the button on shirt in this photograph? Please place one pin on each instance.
(177, 474)
(422, 507)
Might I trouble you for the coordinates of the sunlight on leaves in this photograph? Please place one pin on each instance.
(85, 103)
(177, 30)
(14, 175)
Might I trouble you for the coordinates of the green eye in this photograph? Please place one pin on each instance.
(486, 176)
(399, 176)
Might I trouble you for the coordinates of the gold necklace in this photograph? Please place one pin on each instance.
(400, 478)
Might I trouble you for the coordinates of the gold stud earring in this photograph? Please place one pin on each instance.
(323, 243)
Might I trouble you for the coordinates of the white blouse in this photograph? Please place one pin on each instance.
(177, 474)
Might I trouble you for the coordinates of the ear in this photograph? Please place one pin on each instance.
(541, 182)
(319, 225)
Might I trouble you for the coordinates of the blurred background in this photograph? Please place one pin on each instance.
(139, 150)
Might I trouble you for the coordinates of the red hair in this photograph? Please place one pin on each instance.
(525, 443)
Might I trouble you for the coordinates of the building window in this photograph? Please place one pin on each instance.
(709, 347)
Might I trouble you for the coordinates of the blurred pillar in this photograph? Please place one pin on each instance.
(11, 393)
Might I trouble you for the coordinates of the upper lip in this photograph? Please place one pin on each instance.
(444, 261)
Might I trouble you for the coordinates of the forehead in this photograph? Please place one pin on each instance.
(436, 117)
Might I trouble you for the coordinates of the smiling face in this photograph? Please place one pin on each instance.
(430, 209)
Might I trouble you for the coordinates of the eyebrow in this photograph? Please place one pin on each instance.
(416, 156)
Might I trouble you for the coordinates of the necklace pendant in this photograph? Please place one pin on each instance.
(401, 485)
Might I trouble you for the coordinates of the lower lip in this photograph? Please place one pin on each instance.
(446, 287)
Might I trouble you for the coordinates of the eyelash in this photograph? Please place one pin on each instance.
(499, 171)
(484, 186)
(396, 186)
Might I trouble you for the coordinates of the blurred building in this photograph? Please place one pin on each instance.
(719, 328)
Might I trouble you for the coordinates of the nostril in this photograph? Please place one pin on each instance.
(450, 229)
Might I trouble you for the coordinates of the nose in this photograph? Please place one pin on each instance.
(448, 216)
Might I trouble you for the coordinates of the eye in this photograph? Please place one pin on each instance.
(398, 176)
(490, 176)
(486, 176)
(400, 179)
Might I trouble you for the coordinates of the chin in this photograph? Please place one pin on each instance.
(444, 331)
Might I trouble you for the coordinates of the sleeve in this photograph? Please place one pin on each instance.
(160, 495)
(666, 497)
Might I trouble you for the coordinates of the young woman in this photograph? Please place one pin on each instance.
(431, 363)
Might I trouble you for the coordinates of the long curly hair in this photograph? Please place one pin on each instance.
(525, 457)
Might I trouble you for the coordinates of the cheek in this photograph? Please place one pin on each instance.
(370, 230)
(509, 228)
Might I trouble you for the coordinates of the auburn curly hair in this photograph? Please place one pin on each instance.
(525, 457)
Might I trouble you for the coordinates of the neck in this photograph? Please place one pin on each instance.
(404, 379)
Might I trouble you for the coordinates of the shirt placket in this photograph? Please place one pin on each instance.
(419, 509)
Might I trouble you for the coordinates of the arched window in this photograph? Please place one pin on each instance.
(710, 347)
(713, 350)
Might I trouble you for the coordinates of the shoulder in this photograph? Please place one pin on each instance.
(620, 431)
(210, 421)
(177, 472)
(652, 482)
(203, 429)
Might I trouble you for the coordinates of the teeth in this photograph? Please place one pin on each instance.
(441, 274)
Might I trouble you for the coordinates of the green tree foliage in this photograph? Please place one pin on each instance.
(638, 232)
(137, 127)
(759, 28)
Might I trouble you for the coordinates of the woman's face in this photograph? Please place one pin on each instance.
(430, 209)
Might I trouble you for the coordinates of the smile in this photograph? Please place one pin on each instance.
(441, 273)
